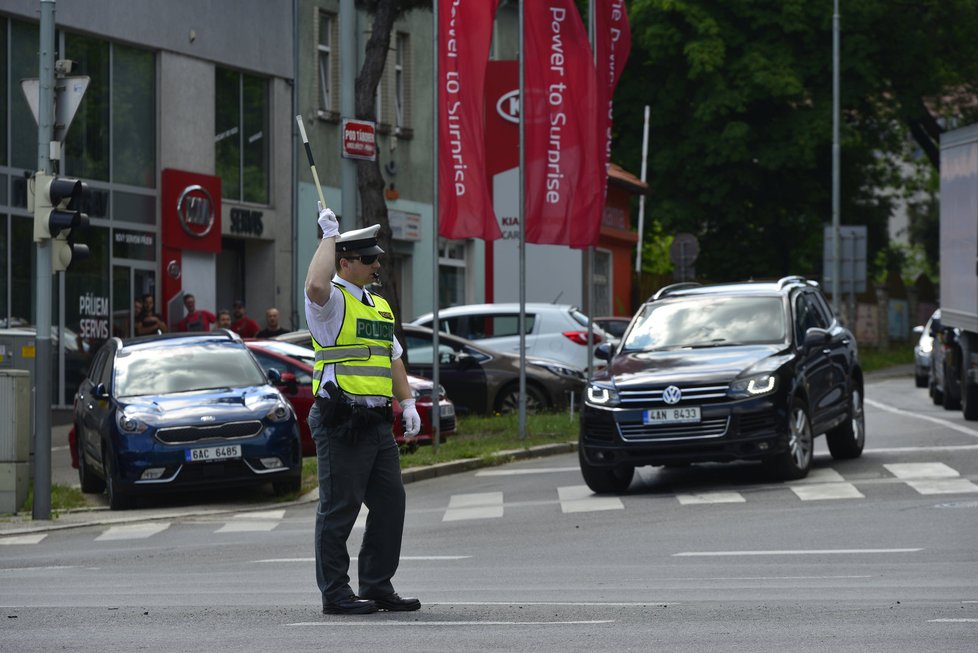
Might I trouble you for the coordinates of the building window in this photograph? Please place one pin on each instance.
(241, 139)
(402, 84)
(86, 148)
(451, 273)
(133, 117)
(327, 65)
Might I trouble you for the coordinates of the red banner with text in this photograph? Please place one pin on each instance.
(613, 42)
(562, 149)
(464, 201)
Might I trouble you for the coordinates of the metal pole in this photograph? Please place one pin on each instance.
(348, 73)
(522, 240)
(836, 263)
(589, 279)
(435, 351)
(641, 198)
(42, 278)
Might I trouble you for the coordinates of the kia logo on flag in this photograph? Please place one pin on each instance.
(508, 107)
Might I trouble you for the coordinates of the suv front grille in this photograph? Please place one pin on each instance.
(230, 430)
(707, 394)
(708, 428)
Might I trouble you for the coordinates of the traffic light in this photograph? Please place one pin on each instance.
(56, 214)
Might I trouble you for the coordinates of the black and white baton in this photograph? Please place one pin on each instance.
(312, 162)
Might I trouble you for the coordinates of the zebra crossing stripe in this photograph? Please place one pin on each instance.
(260, 521)
(33, 538)
(943, 486)
(825, 491)
(908, 471)
(479, 505)
(580, 498)
(710, 497)
(133, 531)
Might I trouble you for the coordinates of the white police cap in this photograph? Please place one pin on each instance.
(359, 241)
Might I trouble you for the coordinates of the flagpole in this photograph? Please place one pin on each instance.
(641, 199)
(522, 239)
(589, 279)
(435, 349)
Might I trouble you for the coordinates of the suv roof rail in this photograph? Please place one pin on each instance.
(794, 278)
(667, 290)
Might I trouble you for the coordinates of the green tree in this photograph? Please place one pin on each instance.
(741, 118)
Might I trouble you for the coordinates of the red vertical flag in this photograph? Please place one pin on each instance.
(613, 42)
(464, 201)
(562, 148)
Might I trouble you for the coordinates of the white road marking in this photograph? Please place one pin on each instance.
(820, 475)
(907, 471)
(479, 505)
(49, 568)
(521, 472)
(373, 622)
(253, 522)
(935, 449)
(34, 538)
(952, 621)
(827, 491)
(580, 498)
(361, 521)
(691, 554)
(403, 558)
(927, 418)
(133, 531)
(943, 486)
(710, 497)
(592, 604)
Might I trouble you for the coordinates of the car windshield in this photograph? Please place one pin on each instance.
(185, 368)
(707, 322)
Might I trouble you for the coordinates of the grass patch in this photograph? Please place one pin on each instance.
(874, 359)
(63, 498)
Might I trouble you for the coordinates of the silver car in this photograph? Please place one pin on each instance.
(923, 349)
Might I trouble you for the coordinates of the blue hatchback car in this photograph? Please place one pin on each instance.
(182, 412)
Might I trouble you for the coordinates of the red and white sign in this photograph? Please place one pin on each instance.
(359, 139)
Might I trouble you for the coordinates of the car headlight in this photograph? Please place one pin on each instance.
(601, 395)
(754, 386)
(129, 424)
(280, 412)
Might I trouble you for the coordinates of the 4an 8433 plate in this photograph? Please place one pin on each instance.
(672, 415)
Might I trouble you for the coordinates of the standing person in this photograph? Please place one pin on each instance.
(224, 319)
(147, 320)
(195, 320)
(272, 327)
(358, 368)
(243, 325)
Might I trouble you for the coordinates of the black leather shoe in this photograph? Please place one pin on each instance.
(350, 605)
(394, 603)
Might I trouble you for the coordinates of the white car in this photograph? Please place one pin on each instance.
(555, 331)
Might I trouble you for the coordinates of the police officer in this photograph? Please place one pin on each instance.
(358, 368)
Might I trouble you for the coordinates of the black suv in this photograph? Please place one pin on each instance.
(744, 371)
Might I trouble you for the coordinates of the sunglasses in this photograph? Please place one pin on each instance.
(366, 259)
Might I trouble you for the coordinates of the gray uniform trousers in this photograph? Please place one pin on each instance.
(366, 472)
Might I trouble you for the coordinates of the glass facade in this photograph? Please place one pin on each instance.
(111, 146)
(241, 142)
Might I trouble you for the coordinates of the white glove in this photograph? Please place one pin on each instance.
(412, 421)
(327, 222)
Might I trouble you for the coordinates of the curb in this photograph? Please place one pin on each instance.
(102, 516)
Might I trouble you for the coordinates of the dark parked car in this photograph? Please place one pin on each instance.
(295, 362)
(481, 380)
(182, 412)
(748, 371)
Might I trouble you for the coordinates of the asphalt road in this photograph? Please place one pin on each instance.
(873, 554)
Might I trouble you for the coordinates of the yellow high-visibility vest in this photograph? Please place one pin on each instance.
(362, 353)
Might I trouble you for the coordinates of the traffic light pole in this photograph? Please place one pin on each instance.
(42, 279)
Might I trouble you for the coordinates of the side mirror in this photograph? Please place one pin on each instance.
(100, 391)
(918, 330)
(465, 361)
(274, 376)
(815, 337)
(603, 351)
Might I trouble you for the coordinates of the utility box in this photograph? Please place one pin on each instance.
(15, 438)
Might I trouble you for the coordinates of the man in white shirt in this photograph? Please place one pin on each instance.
(358, 369)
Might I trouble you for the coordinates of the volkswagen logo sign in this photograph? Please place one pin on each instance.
(672, 395)
(195, 211)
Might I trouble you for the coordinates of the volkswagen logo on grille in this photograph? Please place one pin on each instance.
(672, 395)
